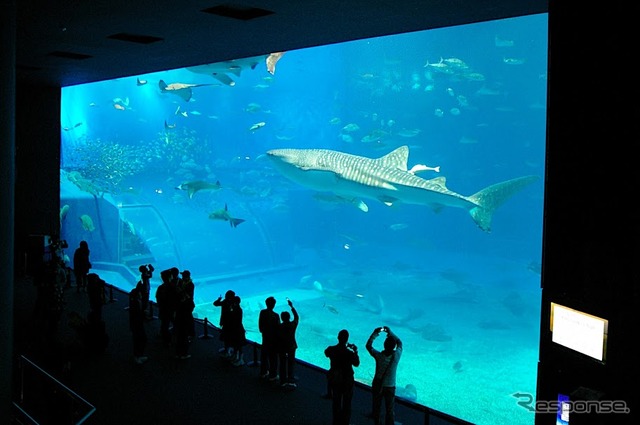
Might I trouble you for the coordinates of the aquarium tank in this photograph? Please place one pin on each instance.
(393, 181)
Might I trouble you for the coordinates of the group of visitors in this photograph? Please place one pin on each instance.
(232, 331)
(278, 343)
(175, 300)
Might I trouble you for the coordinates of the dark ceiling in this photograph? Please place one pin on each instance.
(68, 42)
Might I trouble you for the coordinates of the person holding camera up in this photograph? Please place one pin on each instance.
(146, 273)
(343, 357)
(383, 386)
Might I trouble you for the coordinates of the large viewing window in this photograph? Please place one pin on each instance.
(427, 218)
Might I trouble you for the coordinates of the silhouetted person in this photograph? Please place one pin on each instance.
(225, 305)
(343, 357)
(383, 386)
(166, 299)
(95, 293)
(183, 324)
(268, 324)
(81, 265)
(136, 325)
(288, 345)
(235, 331)
(146, 273)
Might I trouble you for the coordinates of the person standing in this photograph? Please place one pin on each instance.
(136, 325)
(235, 332)
(81, 265)
(288, 345)
(146, 273)
(343, 357)
(166, 295)
(96, 293)
(225, 305)
(383, 386)
(268, 324)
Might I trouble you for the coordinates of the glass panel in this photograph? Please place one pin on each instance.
(427, 218)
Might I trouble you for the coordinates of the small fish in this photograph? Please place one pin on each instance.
(168, 126)
(92, 104)
(421, 167)
(197, 185)
(398, 226)
(350, 128)
(226, 216)
(257, 125)
(331, 308)
(140, 82)
(503, 42)
(119, 107)
(513, 61)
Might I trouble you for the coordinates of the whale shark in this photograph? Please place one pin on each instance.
(388, 180)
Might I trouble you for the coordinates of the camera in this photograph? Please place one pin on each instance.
(352, 346)
(382, 329)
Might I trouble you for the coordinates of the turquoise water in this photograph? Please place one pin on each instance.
(469, 99)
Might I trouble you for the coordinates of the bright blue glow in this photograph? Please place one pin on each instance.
(469, 99)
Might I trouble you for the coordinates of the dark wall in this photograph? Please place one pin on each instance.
(37, 196)
(590, 253)
(7, 181)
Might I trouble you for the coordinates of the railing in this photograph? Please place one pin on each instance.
(417, 412)
(43, 400)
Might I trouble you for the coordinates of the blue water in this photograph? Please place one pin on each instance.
(469, 99)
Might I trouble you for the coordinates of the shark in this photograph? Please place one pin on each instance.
(388, 180)
(182, 90)
(197, 185)
(226, 216)
(226, 71)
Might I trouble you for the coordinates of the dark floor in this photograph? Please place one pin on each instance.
(204, 389)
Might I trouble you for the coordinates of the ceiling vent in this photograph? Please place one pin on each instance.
(241, 13)
(69, 55)
(135, 38)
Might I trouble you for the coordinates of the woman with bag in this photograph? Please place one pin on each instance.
(383, 386)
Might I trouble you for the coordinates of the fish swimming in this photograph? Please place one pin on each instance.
(225, 71)
(257, 126)
(182, 90)
(224, 215)
(197, 185)
(387, 180)
(63, 212)
(87, 223)
(221, 70)
(272, 60)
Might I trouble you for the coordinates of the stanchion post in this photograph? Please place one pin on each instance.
(205, 325)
